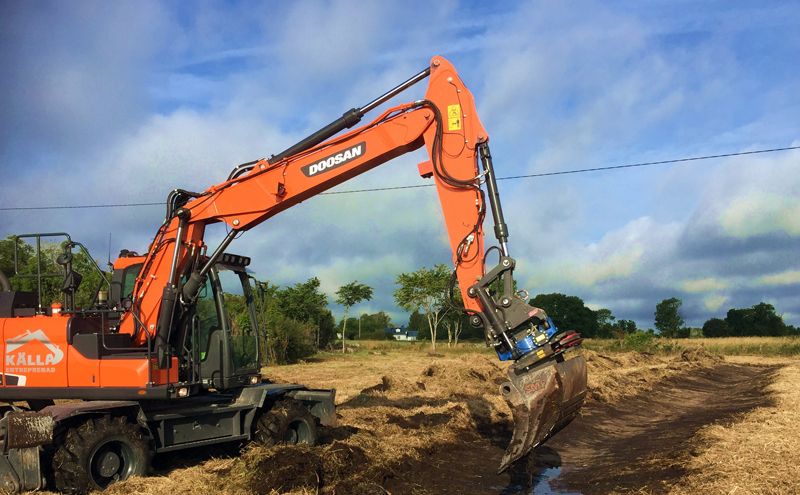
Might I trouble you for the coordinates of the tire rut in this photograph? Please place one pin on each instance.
(642, 441)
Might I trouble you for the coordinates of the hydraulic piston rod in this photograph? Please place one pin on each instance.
(347, 120)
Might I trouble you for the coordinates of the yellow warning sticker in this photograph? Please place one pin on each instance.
(540, 353)
(453, 111)
(454, 117)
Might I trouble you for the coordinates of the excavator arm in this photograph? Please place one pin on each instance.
(544, 390)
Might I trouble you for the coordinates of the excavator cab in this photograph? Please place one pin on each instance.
(217, 343)
(224, 341)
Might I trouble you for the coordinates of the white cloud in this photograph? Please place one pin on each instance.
(713, 303)
(753, 195)
(617, 266)
(619, 254)
(785, 278)
(703, 285)
(759, 213)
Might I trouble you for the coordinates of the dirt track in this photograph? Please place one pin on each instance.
(638, 444)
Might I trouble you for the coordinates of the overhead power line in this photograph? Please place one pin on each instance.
(646, 164)
(81, 206)
(395, 188)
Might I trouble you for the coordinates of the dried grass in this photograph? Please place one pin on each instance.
(748, 346)
(401, 405)
(209, 476)
(759, 454)
(727, 346)
(613, 376)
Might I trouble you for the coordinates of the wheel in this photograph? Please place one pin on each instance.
(99, 452)
(288, 422)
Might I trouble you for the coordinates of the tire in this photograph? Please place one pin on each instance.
(288, 423)
(98, 453)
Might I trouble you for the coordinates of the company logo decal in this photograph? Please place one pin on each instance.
(534, 387)
(335, 160)
(23, 355)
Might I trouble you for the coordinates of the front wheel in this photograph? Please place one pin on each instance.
(288, 422)
(99, 452)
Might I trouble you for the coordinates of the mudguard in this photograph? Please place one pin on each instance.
(21, 434)
(543, 400)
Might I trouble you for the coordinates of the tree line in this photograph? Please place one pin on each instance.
(423, 293)
(299, 322)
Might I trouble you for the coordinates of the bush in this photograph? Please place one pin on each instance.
(639, 340)
(290, 341)
(378, 334)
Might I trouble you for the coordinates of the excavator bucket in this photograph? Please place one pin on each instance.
(543, 399)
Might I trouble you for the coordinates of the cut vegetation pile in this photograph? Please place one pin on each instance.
(412, 423)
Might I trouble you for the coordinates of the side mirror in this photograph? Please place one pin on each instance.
(64, 259)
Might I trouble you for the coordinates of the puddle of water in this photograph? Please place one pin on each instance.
(541, 483)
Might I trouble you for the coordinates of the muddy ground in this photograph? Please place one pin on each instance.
(436, 425)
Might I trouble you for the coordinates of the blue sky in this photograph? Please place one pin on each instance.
(121, 102)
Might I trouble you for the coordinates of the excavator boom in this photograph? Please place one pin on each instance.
(544, 392)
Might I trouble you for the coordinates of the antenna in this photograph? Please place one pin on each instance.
(109, 250)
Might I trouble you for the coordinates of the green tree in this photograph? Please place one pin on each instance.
(352, 327)
(379, 334)
(668, 317)
(424, 290)
(302, 302)
(627, 326)
(759, 320)
(568, 313)
(455, 322)
(366, 324)
(350, 295)
(605, 323)
(327, 328)
(288, 340)
(92, 279)
(305, 303)
(24, 253)
(29, 264)
(418, 323)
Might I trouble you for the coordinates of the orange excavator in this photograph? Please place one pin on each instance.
(157, 365)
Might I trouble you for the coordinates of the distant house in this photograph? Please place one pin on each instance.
(401, 333)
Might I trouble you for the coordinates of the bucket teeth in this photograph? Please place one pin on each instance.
(543, 400)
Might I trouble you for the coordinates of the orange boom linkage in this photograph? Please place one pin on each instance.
(262, 189)
(154, 339)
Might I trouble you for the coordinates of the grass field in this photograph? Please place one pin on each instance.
(727, 346)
